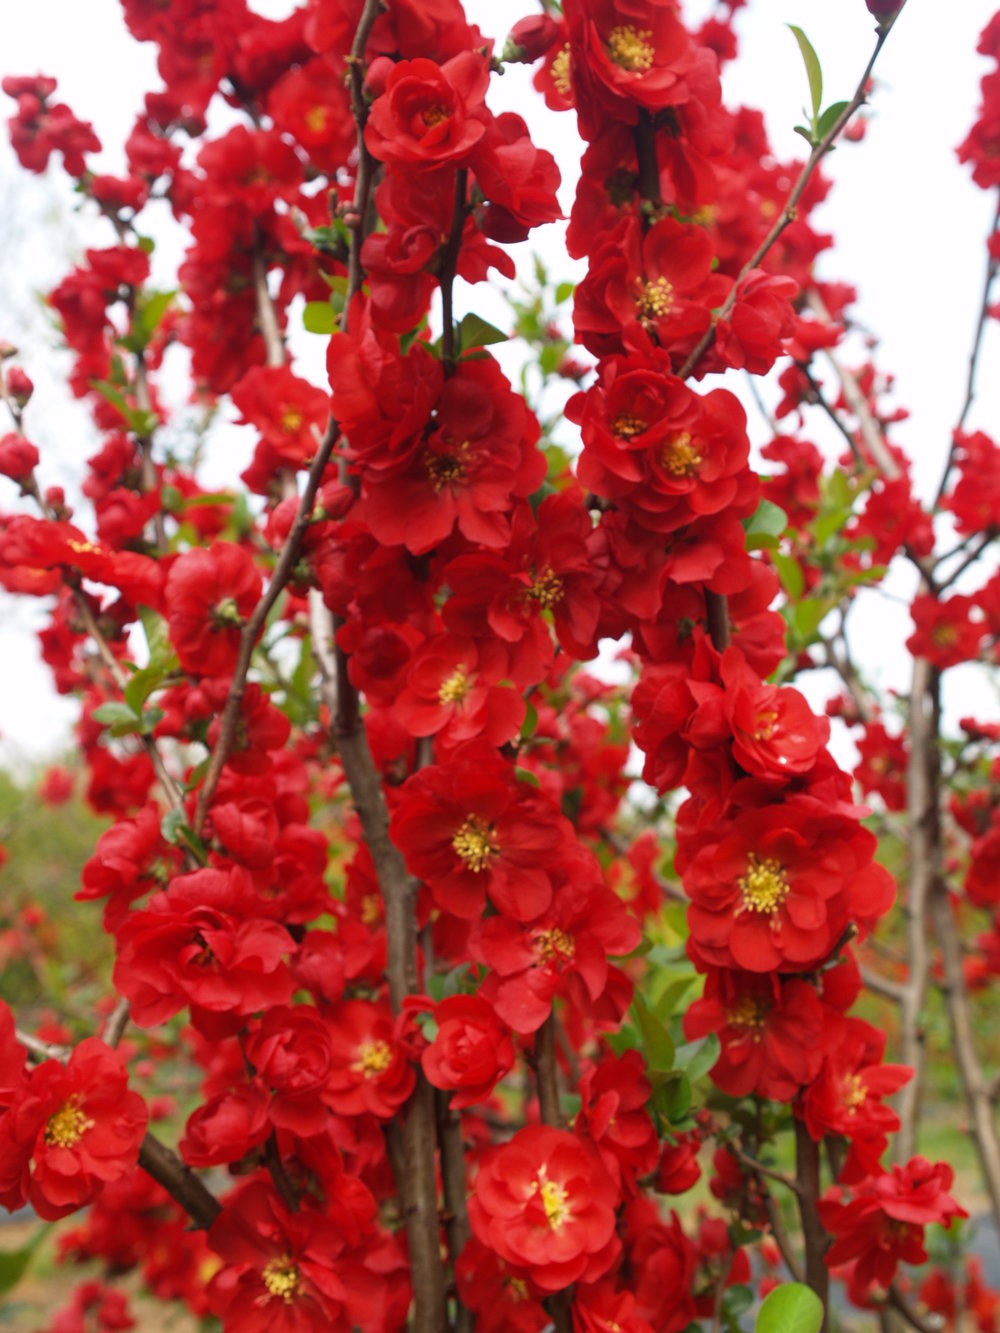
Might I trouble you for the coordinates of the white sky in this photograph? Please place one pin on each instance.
(909, 224)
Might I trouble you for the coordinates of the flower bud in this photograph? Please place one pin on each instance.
(19, 385)
(883, 9)
(18, 458)
(530, 38)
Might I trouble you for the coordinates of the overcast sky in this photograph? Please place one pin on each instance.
(909, 224)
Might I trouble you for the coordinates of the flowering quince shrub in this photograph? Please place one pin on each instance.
(467, 1017)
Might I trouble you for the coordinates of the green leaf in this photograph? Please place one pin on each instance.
(149, 312)
(564, 291)
(829, 118)
(815, 75)
(530, 723)
(157, 636)
(656, 1039)
(696, 1058)
(141, 685)
(790, 1308)
(119, 717)
(474, 331)
(319, 317)
(526, 775)
(737, 1300)
(828, 525)
(790, 572)
(765, 527)
(175, 830)
(14, 1263)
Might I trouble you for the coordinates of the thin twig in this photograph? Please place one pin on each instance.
(900, 1303)
(780, 1236)
(790, 211)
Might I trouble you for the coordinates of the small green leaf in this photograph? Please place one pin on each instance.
(530, 723)
(319, 317)
(157, 636)
(829, 118)
(474, 331)
(564, 291)
(141, 685)
(526, 775)
(175, 830)
(14, 1263)
(697, 1057)
(116, 715)
(765, 527)
(790, 572)
(815, 75)
(790, 1308)
(656, 1039)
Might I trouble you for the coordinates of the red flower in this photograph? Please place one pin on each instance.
(884, 1222)
(945, 632)
(472, 828)
(452, 693)
(369, 1072)
(428, 112)
(544, 1203)
(69, 1130)
(290, 413)
(471, 1051)
(284, 1272)
(773, 1033)
(613, 1097)
(210, 593)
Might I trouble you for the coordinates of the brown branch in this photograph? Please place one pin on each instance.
(780, 1236)
(979, 1093)
(448, 267)
(813, 1233)
(180, 1182)
(547, 1074)
(922, 779)
(42, 1050)
(889, 990)
(760, 1169)
(267, 316)
(992, 268)
(453, 1179)
(117, 1023)
(790, 210)
(898, 1302)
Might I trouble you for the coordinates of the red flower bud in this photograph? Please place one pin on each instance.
(530, 38)
(19, 386)
(18, 458)
(883, 9)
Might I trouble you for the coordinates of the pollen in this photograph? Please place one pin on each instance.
(630, 49)
(855, 1093)
(291, 420)
(555, 946)
(747, 1015)
(316, 119)
(680, 456)
(547, 588)
(444, 469)
(67, 1127)
(371, 909)
(559, 69)
(765, 726)
(374, 1057)
(555, 1204)
(764, 887)
(475, 844)
(653, 300)
(281, 1278)
(627, 424)
(455, 688)
(433, 115)
(518, 1288)
(81, 548)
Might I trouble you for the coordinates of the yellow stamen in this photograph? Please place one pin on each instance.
(855, 1093)
(628, 424)
(281, 1278)
(555, 946)
(764, 887)
(434, 115)
(67, 1127)
(547, 588)
(559, 69)
(629, 48)
(374, 1057)
(316, 119)
(680, 456)
(291, 420)
(555, 1204)
(748, 1015)
(455, 688)
(475, 844)
(653, 300)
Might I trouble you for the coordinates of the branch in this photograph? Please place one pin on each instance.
(922, 779)
(789, 213)
(813, 1233)
(992, 268)
(780, 1237)
(453, 1179)
(896, 1299)
(979, 1094)
(267, 316)
(180, 1182)
(889, 990)
(759, 1169)
(251, 630)
(448, 267)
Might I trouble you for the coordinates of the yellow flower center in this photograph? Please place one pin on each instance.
(281, 1278)
(374, 1057)
(653, 300)
(371, 909)
(518, 1288)
(555, 946)
(855, 1093)
(680, 456)
(630, 49)
(475, 844)
(455, 688)
(81, 548)
(444, 469)
(627, 424)
(433, 115)
(765, 726)
(764, 887)
(67, 1127)
(559, 70)
(547, 588)
(555, 1204)
(749, 1015)
(316, 119)
(291, 420)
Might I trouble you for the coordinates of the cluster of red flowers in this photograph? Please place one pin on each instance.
(462, 576)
